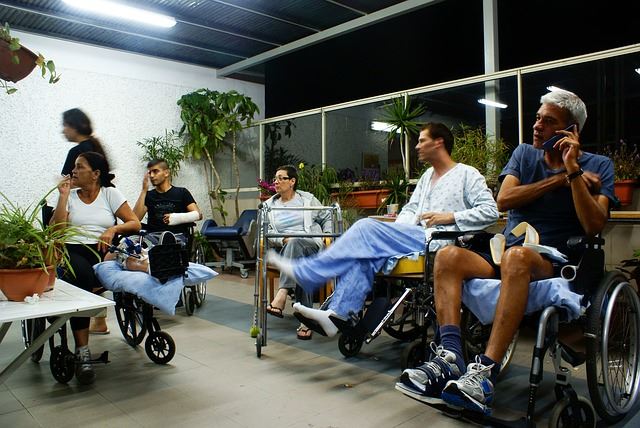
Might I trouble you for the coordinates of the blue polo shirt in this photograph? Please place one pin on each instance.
(553, 215)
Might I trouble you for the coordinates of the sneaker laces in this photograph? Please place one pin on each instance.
(436, 364)
(84, 355)
(476, 373)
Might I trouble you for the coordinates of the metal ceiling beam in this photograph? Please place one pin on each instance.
(230, 33)
(75, 20)
(352, 9)
(338, 30)
(266, 15)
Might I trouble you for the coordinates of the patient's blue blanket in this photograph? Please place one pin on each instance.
(481, 297)
(163, 296)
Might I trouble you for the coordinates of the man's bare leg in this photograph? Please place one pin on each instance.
(519, 266)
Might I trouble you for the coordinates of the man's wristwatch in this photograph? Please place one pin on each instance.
(573, 175)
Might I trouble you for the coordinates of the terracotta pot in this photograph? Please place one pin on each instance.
(53, 274)
(624, 191)
(369, 199)
(14, 72)
(16, 284)
(264, 197)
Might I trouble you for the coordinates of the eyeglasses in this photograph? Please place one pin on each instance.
(281, 178)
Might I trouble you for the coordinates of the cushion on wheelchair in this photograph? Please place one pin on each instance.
(163, 296)
(480, 296)
(222, 231)
(405, 263)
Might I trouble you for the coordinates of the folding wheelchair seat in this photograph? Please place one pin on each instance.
(234, 242)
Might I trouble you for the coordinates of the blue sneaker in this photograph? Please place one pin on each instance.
(473, 390)
(425, 383)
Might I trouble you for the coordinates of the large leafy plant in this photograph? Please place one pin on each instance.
(318, 181)
(210, 117)
(25, 242)
(474, 147)
(167, 147)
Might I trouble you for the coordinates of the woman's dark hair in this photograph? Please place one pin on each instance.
(97, 162)
(78, 120)
(292, 172)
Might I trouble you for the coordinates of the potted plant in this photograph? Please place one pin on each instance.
(16, 61)
(29, 250)
(209, 118)
(398, 186)
(318, 181)
(474, 147)
(626, 170)
(165, 147)
(402, 115)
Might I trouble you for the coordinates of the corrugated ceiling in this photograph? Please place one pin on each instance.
(214, 33)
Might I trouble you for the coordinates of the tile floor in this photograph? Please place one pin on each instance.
(216, 380)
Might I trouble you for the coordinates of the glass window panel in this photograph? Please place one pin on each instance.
(609, 87)
(293, 141)
(247, 144)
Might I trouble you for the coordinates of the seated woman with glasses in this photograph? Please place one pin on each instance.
(294, 221)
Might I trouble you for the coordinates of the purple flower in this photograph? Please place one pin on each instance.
(266, 187)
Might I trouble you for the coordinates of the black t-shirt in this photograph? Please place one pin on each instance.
(70, 162)
(174, 200)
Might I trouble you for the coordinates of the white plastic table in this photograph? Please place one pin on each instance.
(63, 302)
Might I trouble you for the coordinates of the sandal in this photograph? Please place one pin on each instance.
(304, 333)
(275, 311)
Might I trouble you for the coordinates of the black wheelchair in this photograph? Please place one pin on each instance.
(62, 361)
(135, 316)
(402, 305)
(611, 332)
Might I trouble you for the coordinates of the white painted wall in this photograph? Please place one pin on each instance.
(127, 96)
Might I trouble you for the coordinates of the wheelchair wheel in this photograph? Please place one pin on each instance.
(160, 347)
(413, 355)
(563, 415)
(475, 337)
(403, 326)
(200, 288)
(349, 345)
(130, 319)
(62, 364)
(259, 345)
(31, 329)
(613, 338)
(188, 298)
(244, 273)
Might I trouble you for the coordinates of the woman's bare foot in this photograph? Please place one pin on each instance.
(276, 307)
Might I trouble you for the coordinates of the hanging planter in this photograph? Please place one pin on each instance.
(9, 69)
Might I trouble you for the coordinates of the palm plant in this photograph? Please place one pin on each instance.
(165, 147)
(402, 115)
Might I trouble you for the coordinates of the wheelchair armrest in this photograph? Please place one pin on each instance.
(584, 241)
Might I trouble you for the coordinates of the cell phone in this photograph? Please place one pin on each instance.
(548, 145)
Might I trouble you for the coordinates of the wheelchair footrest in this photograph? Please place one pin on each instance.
(347, 326)
(374, 314)
(571, 356)
(102, 359)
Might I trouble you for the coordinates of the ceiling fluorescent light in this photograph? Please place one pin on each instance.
(492, 103)
(555, 88)
(121, 11)
(638, 70)
(382, 126)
